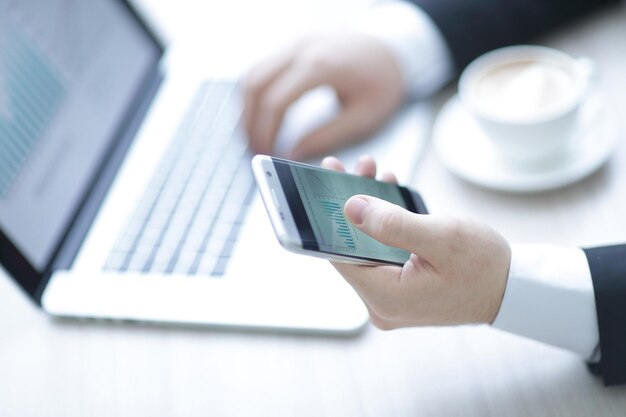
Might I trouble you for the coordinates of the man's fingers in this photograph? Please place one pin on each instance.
(370, 281)
(389, 177)
(256, 83)
(366, 167)
(292, 83)
(347, 128)
(330, 162)
(395, 226)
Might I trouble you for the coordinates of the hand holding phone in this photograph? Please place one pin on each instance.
(306, 203)
(456, 272)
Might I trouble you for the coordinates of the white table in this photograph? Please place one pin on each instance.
(70, 368)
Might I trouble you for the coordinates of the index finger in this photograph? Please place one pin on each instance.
(258, 79)
(295, 80)
(369, 281)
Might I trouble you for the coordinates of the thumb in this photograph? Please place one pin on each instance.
(393, 225)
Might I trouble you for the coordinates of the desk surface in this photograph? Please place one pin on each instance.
(70, 368)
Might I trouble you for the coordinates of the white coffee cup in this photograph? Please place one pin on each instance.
(527, 99)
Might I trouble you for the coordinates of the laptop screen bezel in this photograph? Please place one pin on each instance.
(11, 258)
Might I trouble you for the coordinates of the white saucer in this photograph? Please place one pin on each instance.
(463, 147)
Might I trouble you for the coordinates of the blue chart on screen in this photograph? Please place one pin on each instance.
(30, 93)
(341, 228)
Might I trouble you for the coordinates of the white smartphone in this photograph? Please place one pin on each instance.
(305, 206)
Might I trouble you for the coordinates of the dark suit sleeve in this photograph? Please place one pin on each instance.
(608, 272)
(472, 27)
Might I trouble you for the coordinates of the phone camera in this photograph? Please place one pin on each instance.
(269, 174)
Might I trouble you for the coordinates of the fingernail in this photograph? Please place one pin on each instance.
(355, 209)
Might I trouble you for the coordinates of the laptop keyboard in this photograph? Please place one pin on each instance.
(190, 215)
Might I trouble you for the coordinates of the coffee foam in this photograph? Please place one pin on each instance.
(524, 89)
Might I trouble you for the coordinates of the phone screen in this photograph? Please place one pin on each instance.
(316, 199)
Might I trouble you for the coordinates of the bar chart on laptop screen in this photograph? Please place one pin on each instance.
(30, 94)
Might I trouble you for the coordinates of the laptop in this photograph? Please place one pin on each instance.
(125, 187)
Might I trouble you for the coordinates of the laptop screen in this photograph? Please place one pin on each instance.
(69, 72)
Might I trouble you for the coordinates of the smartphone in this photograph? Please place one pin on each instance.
(305, 206)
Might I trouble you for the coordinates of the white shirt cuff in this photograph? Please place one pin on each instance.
(549, 297)
(415, 41)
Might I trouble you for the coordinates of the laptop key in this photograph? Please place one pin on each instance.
(192, 210)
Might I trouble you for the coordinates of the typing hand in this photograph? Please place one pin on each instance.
(361, 70)
(456, 274)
